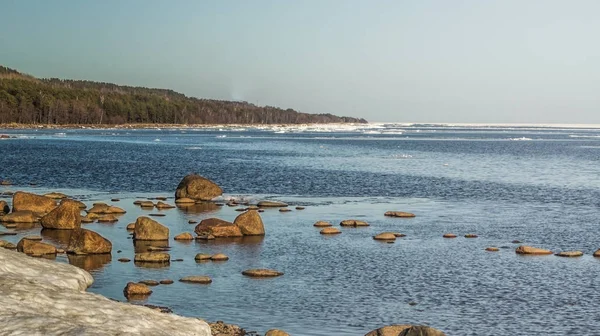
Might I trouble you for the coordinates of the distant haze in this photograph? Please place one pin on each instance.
(494, 61)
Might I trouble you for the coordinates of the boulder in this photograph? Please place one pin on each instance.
(276, 332)
(218, 228)
(330, 230)
(4, 208)
(22, 216)
(67, 216)
(162, 205)
(184, 236)
(200, 279)
(322, 224)
(523, 249)
(136, 289)
(570, 254)
(149, 229)
(28, 246)
(152, 257)
(197, 187)
(272, 204)
(353, 222)
(250, 223)
(219, 257)
(400, 214)
(84, 241)
(405, 330)
(37, 204)
(261, 273)
(385, 236)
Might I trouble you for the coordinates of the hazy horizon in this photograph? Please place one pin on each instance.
(424, 61)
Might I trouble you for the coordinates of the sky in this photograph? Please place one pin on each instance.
(469, 61)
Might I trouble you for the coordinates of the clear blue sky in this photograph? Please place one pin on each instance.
(516, 61)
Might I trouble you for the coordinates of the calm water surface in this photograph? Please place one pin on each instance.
(537, 185)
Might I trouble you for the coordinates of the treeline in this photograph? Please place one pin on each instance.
(28, 100)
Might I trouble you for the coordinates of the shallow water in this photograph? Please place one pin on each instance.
(543, 191)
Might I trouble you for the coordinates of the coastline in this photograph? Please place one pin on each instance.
(154, 126)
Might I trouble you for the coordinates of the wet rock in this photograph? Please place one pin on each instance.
(115, 210)
(570, 254)
(405, 330)
(152, 257)
(33, 247)
(177, 260)
(219, 257)
(241, 209)
(322, 224)
(202, 257)
(285, 210)
(206, 237)
(80, 204)
(157, 215)
(261, 273)
(218, 228)
(300, 208)
(130, 227)
(149, 229)
(146, 204)
(158, 248)
(56, 195)
(399, 214)
(220, 328)
(149, 282)
(39, 205)
(330, 230)
(276, 332)
(531, 250)
(99, 208)
(136, 289)
(107, 219)
(184, 201)
(492, 249)
(124, 260)
(200, 279)
(22, 216)
(398, 234)
(250, 223)
(385, 236)
(162, 205)
(597, 253)
(449, 235)
(4, 208)
(7, 245)
(115, 200)
(271, 204)
(353, 223)
(471, 235)
(184, 236)
(88, 242)
(66, 216)
(166, 282)
(86, 220)
(197, 187)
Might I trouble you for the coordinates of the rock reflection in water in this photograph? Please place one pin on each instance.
(90, 262)
(204, 207)
(57, 237)
(141, 246)
(145, 264)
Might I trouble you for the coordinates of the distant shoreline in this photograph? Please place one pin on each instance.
(151, 126)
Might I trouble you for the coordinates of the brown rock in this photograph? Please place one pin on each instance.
(184, 200)
(353, 222)
(322, 224)
(300, 208)
(202, 256)
(200, 279)
(146, 204)
(55, 195)
(570, 254)
(88, 242)
(7, 245)
(271, 204)
(492, 249)
(471, 235)
(4, 208)
(37, 204)
(124, 260)
(33, 237)
(405, 330)
(400, 214)
(161, 205)
(184, 236)
(261, 273)
(250, 223)
(136, 289)
(22, 216)
(86, 220)
(531, 250)
(107, 219)
(385, 236)
(220, 328)
(197, 187)
(330, 230)
(166, 282)
(398, 234)
(99, 208)
(130, 227)
(28, 246)
(218, 228)
(449, 235)
(205, 237)
(219, 257)
(149, 282)
(597, 253)
(67, 216)
(152, 257)
(149, 229)
(160, 198)
(276, 332)
(115, 210)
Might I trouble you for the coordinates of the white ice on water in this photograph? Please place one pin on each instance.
(43, 297)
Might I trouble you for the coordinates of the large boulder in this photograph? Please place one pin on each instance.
(40, 205)
(149, 229)
(84, 241)
(67, 216)
(4, 208)
(405, 330)
(250, 223)
(23, 216)
(29, 246)
(218, 228)
(198, 188)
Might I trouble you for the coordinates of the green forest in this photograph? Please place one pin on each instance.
(25, 99)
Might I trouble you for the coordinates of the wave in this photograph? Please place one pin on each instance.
(520, 139)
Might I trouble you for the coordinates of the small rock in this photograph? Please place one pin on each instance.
(200, 279)
(330, 230)
(271, 204)
(184, 200)
(322, 224)
(124, 260)
(516, 242)
(130, 227)
(276, 332)
(570, 254)
(206, 237)
(385, 236)
(285, 210)
(597, 253)
(202, 256)
(449, 235)
(405, 330)
(133, 289)
(191, 221)
(400, 214)
(492, 249)
(261, 273)
(107, 219)
(471, 235)
(157, 257)
(177, 260)
(157, 215)
(353, 222)
(149, 282)
(184, 236)
(162, 205)
(531, 250)
(166, 282)
(146, 204)
(219, 257)
(300, 208)
(115, 200)
(398, 234)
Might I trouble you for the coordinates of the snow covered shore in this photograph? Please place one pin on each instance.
(43, 297)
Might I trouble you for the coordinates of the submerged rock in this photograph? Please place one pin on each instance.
(37, 204)
(184, 236)
(162, 205)
(197, 187)
(272, 204)
(67, 216)
(55, 195)
(250, 223)
(219, 257)
(405, 330)
(492, 249)
(217, 228)
(400, 214)
(202, 256)
(261, 273)
(84, 241)
(152, 257)
(200, 279)
(531, 250)
(322, 224)
(449, 235)
(353, 222)
(149, 229)
(570, 254)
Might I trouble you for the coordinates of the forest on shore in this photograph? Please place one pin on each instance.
(25, 99)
